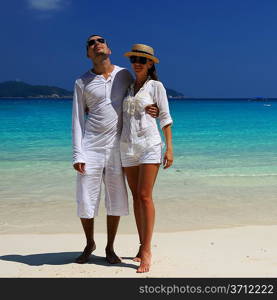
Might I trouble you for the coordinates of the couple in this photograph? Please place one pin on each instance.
(114, 133)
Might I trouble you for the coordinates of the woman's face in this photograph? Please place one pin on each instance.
(141, 65)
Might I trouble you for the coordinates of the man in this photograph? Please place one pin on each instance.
(96, 155)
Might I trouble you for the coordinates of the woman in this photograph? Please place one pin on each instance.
(141, 144)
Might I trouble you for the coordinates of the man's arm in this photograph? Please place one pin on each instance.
(78, 124)
(152, 110)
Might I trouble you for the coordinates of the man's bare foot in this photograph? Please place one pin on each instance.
(84, 257)
(111, 257)
(145, 262)
(138, 256)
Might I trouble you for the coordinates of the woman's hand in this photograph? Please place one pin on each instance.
(168, 158)
(80, 167)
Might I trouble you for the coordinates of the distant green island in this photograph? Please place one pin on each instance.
(19, 89)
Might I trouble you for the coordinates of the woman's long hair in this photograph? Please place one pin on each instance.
(153, 73)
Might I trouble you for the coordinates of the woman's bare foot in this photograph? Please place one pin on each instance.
(111, 257)
(137, 258)
(84, 257)
(145, 262)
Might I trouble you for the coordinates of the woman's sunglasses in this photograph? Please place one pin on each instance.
(92, 42)
(138, 59)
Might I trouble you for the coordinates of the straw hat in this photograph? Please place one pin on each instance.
(142, 50)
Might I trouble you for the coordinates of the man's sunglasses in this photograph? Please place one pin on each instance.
(138, 59)
(92, 42)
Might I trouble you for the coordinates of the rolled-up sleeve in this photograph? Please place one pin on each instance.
(162, 103)
(78, 124)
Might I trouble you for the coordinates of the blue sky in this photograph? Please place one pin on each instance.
(207, 48)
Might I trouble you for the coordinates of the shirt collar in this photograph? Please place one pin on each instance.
(112, 74)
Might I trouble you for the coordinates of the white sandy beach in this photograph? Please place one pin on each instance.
(249, 251)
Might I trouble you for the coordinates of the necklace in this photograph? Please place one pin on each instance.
(139, 85)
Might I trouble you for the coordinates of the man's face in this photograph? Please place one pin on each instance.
(98, 48)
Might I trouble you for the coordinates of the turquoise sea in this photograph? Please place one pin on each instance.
(224, 173)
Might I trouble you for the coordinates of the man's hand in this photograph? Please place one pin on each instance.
(152, 110)
(80, 167)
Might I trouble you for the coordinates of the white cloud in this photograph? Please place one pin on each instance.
(46, 5)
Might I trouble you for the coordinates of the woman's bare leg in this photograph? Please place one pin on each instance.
(132, 174)
(147, 176)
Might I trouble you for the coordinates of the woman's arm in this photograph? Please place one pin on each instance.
(160, 98)
(165, 122)
(168, 156)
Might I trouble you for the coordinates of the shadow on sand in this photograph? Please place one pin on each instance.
(60, 258)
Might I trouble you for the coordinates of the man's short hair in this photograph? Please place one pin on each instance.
(88, 39)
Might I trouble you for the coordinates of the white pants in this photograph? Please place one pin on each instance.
(104, 164)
